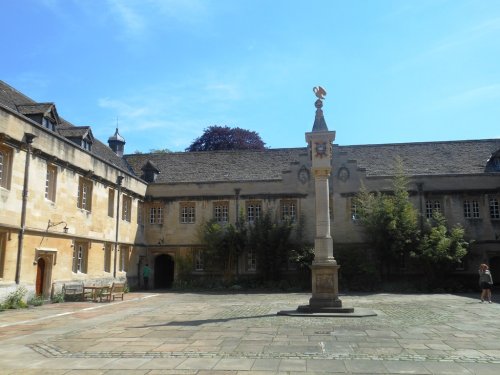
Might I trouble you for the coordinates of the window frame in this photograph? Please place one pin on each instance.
(84, 199)
(155, 215)
(289, 210)
(221, 211)
(108, 251)
(431, 207)
(471, 209)
(251, 261)
(354, 211)
(5, 166)
(80, 257)
(187, 211)
(253, 210)
(126, 208)
(124, 260)
(3, 253)
(494, 208)
(140, 213)
(51, 182)
(198, 263)
(111, 202)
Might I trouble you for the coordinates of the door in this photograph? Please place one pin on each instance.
(40, 276)
(164, 271)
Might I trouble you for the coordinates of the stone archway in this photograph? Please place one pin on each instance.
(163, 271)
(495, 269)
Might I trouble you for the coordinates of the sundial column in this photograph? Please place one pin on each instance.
(324, 268)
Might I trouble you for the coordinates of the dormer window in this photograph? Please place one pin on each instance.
(150, 172)
(43, 113)
(87, 145)
(49, 124)
(79, 135)
(496, 164)
(493, 164)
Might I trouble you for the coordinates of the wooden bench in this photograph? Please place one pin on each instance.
(117, 290)
(73, 290)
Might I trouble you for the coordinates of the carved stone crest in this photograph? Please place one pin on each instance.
(343, 174)
(304, 175)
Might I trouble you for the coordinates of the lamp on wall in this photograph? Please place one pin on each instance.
(51, 224)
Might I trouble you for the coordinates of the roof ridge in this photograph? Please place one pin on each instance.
(218, 151)
(17, 91)
(421, 143)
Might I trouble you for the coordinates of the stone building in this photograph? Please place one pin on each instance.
(60, 189)
(73, 208)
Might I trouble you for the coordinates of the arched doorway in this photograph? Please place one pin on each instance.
(40, 276)
(164, 271)
(495, 269)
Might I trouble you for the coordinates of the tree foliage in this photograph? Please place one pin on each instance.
(271, 242)
(155, 151)
(159, 151)
(391, 224)
(223, 244)
(217, 138)
(439, 245)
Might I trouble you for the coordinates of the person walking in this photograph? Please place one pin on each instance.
(146, 271)
(485, 282)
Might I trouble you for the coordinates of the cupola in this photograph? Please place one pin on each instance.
(117, 143)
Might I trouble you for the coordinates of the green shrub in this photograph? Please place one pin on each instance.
(15, 300)
(58, 298)
(358, 272)
(36, 301)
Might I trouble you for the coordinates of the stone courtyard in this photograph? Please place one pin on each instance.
(212, 333)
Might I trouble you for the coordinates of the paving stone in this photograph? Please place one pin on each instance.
(190, 332)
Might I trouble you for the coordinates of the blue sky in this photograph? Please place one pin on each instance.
(395, 71)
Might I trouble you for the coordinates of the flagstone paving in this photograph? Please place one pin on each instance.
(210, 333)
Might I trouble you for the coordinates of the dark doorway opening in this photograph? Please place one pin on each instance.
(164, 271)
(495, 269)
(40, 276)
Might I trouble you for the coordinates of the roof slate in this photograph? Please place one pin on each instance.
(219, 166)
(30, 109)
(12, 98)
(422, 158)
(425, 158)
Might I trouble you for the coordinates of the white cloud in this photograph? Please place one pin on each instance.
(133, 21)
(122, 108)
(140, 17)
(222, 91)
(472, 96)
(468, 35)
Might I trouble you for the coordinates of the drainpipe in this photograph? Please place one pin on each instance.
(119, 180)
(29, 140)
(420, 188)
(237, 198)
(237, 194)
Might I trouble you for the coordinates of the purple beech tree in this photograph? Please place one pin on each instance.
(217, 138)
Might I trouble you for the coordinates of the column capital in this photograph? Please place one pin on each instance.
(322, 172)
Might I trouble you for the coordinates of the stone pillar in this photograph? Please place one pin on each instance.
(324, 268)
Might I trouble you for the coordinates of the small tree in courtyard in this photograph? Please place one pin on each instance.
(390, 222)
(440, 249)
(391, 225)
(271, 242)
(223, 243)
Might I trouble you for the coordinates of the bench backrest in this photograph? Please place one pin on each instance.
(76, 287)
(118, 288)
